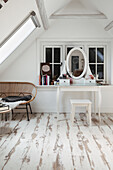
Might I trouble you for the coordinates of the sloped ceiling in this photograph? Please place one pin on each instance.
(13, 13)
(102, 8)
(78, 7)
(105, 6)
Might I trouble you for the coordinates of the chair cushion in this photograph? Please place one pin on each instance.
(16, 98)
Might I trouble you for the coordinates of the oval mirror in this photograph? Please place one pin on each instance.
(76, 63)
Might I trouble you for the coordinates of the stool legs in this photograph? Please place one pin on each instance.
(99, 117)
(89, 113)
(10, 115)
(72, 113)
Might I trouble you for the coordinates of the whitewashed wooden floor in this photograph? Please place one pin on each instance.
(48, 142)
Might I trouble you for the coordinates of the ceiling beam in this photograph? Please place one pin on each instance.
(78, 16)
(43, 15)
(109, 26)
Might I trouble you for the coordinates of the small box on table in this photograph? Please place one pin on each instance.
(64, 82)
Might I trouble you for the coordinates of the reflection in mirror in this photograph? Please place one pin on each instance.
(76, 63)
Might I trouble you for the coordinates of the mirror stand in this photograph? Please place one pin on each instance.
(77, 67)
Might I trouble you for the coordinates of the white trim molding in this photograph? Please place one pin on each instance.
(43, 14)
(78, 16)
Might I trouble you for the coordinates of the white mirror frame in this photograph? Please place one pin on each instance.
(85, 62)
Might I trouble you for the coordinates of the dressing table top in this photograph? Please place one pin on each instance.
(74, 85)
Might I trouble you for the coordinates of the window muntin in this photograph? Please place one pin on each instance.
(53, 55)
(97, 62)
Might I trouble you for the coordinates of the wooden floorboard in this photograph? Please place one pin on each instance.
(49, 142)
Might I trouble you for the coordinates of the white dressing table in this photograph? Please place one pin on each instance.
(93, 88)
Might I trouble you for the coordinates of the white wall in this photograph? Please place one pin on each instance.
(76, 30)
(24, 67)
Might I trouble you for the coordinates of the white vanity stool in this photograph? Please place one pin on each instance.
(81, 102)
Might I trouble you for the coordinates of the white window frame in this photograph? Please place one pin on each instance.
(85, 45)
(53, 63)
(96, 63)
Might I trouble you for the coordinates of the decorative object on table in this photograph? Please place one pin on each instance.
(45, 69)
(45, 80)
(92, 77)
(71, 80)
(64, 76)
(55, 82)
(39, 80)
(64, 82)
(52, 82)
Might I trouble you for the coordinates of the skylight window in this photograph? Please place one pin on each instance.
(18, 36)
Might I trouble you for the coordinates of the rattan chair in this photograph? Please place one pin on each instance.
(19, 89)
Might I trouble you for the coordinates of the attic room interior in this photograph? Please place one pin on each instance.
(56, 85)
